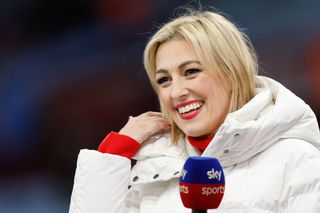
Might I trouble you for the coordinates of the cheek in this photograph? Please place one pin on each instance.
(219, 103)
(164, 99)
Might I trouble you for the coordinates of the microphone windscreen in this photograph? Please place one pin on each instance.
(201, 183)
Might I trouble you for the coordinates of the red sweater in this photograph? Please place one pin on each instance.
(118, 144)
(115, 143)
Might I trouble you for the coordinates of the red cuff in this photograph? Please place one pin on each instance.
(118, 144)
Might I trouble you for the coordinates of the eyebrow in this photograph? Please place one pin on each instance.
(180, 66)
(187, 63)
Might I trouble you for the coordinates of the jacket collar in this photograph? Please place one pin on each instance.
(273, 114)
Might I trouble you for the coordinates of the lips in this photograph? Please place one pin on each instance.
(189, 109)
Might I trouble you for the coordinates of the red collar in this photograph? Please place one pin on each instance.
(200, 144)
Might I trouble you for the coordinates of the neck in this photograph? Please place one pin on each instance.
(200, 143)
(203, 137)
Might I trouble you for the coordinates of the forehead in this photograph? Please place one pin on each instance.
(174, 52)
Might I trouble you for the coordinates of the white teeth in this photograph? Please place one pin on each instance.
(189, 107)
(194, 105)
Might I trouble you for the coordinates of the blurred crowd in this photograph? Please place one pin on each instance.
(71, 71)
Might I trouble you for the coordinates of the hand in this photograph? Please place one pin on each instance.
(144, 126)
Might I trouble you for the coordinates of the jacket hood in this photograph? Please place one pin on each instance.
(274, 113)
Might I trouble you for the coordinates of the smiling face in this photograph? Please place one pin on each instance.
(196, 98)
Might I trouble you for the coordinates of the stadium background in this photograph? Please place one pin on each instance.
(71, 71)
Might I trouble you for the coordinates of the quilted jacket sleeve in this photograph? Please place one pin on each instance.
(302, 191)
(101, 184)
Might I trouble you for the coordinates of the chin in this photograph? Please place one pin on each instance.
(192, 132)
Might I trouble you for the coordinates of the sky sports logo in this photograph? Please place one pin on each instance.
(203, 188)
(212, 174)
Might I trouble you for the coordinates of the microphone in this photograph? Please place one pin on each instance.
(201, 184)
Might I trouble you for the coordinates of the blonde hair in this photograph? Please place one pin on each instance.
(220, 46)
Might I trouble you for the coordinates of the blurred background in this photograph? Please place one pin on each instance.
(71, 71)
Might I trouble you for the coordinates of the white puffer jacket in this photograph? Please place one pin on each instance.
(269, 150)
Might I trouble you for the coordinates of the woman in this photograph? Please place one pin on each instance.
(204, 72)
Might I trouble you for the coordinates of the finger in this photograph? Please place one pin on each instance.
(162, 128)
(163, 124)
(152, 113)
(158, 119)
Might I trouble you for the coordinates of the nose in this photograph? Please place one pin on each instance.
(178, 90)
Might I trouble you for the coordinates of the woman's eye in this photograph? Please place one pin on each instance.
(191, 71)
(162, 80)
